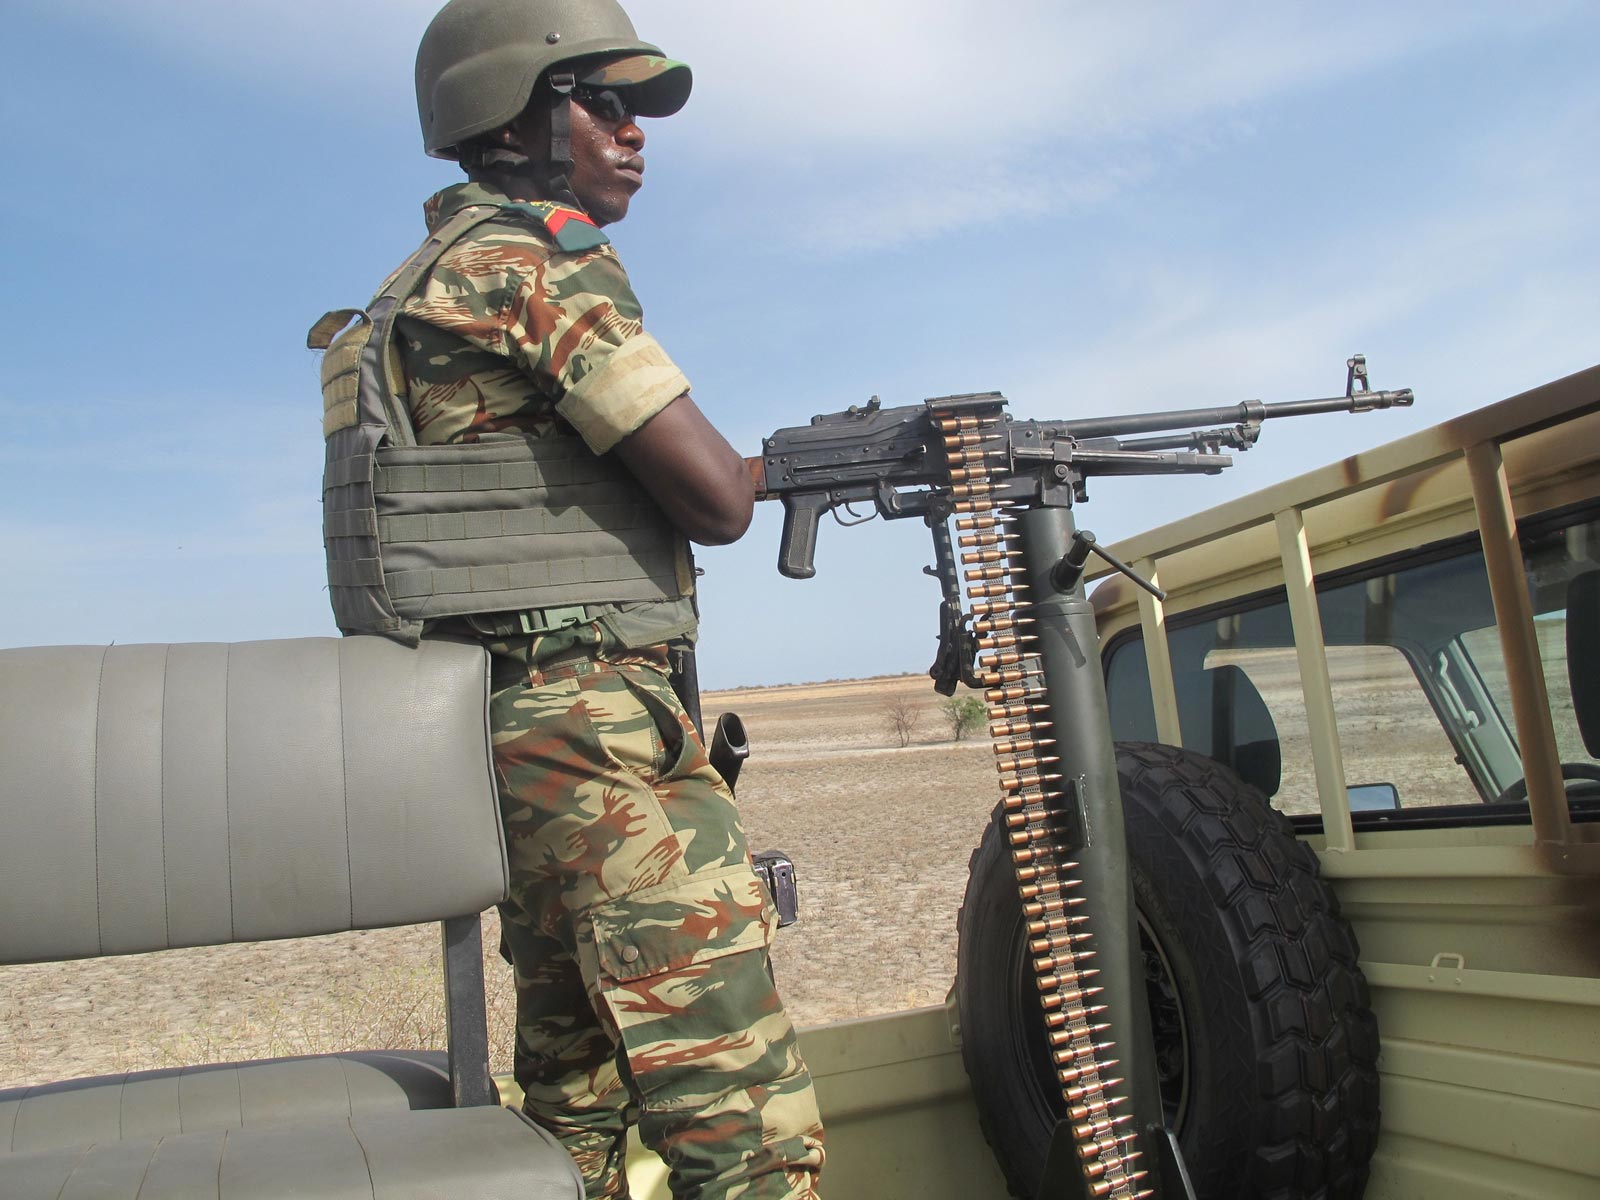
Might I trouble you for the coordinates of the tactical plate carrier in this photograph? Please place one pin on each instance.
(509, 524)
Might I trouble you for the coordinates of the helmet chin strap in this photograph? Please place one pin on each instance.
(554, 181)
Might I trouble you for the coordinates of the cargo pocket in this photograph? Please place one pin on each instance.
(681, 973)
(633, 730)
(680, 753)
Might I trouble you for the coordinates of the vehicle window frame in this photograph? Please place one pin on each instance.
(1485, 813)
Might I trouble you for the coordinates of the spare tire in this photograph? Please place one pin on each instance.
(1266, 1045)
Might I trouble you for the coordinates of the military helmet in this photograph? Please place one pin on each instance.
(480, 59)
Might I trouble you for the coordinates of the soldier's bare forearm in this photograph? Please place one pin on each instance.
(697, 478)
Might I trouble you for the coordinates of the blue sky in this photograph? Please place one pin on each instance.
(1090, 207)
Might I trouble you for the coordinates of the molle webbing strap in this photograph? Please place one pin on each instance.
(354, 468)
(378, 361)
(341, 366)
(364, 407)
(360, 380)
(329, 326)
(603, 573)
(512, 522)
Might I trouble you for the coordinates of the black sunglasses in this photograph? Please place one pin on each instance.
(608, 104)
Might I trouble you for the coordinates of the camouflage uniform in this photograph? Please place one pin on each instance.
(637, 928)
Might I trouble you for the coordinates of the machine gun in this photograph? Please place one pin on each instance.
(922, 460)
(1026, 636)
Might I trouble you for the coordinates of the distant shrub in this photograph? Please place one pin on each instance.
(964, 713)
(902, 717)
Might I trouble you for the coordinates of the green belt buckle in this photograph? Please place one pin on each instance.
(553, 618)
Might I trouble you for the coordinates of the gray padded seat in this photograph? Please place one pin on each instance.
(161, 796)
(195, 795)
(478, 1153)
(109, 1108)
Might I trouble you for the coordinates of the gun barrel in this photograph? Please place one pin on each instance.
(1357, 402)
(1249, 410)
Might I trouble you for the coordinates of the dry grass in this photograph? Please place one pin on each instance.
(354, 991)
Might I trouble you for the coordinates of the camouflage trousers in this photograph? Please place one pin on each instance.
(639, 932)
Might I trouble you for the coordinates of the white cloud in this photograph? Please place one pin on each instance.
(1500, 271)
(841, 71)
(299, 46)
(908, 115)
(844, 76)
(904, 205)
(876, 106)
(1477, 298)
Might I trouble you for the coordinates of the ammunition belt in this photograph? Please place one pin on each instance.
(1034, 804)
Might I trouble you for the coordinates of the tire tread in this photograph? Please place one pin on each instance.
(1286, 987)
(1319, 1072)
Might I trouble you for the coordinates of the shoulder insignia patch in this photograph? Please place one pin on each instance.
(571, 229)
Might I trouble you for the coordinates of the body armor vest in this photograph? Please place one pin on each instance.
(510, 524)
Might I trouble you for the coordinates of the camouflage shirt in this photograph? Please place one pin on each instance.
(511, 332)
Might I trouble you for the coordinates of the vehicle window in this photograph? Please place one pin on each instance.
(1562, 562)
(1239, 701)
(1387, 727)
(1417, 674)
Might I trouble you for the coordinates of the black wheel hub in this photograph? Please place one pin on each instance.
(1167, 1027)
(1031, 1046)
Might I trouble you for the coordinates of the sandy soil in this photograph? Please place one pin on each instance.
(880, 836)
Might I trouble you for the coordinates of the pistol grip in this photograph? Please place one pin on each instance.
(728, 749)
(797, 549)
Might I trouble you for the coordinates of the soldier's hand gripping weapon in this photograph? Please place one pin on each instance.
(1026, 637)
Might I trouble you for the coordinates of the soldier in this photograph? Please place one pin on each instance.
(512, 458)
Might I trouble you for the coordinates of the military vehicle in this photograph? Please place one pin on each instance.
(1398, 652)
(1358, 746)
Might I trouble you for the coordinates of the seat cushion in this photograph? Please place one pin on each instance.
(487, 1153)
(155, 1104)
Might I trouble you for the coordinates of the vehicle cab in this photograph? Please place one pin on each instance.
(1402, 651)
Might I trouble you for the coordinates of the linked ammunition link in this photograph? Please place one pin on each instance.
(1032, 802)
